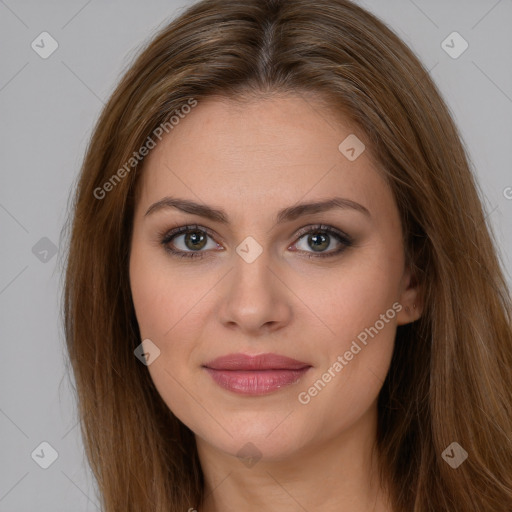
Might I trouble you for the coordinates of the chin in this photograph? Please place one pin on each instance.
(250, 446)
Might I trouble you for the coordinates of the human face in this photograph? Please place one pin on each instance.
(259, 286)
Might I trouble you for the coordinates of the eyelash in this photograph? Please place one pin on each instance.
(342, 237)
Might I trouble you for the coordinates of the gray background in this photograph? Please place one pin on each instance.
(47, 110)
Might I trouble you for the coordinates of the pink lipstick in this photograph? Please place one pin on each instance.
(255, 375)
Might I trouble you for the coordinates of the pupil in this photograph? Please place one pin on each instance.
(196, 238)
(322, 239)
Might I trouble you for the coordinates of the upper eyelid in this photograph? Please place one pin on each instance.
(181, 230)
(323, 227)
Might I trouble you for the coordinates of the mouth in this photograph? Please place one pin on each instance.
(255, 375)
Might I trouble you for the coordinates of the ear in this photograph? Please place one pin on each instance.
(410, 299)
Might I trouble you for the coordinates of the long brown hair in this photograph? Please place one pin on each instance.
(450, 378)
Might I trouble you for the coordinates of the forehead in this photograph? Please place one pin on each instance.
(255, 153)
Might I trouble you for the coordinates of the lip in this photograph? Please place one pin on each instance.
(255, 375)
(258, 362)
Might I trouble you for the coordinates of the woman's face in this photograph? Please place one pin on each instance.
(260, 274)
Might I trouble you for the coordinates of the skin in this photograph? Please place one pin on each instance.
(252, 160)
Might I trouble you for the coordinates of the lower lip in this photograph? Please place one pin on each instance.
(257, 382)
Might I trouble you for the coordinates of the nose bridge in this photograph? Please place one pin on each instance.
(252, 273)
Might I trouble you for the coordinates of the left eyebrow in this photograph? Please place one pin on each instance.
(285, 215)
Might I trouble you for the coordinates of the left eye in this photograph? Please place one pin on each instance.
(320, 238)
(195, 238)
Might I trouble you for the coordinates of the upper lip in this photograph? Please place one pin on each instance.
(257, 362)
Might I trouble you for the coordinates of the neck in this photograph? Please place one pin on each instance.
(339, 472)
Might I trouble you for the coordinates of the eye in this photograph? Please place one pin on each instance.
(193, 240)
(320, 238)
(189, 241)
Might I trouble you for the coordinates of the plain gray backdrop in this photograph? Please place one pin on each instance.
(47, 109)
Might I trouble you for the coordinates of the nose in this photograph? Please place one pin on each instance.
(255, 298)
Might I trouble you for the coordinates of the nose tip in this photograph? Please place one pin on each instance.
(254, 300)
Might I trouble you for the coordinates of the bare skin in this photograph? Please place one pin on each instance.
(307, 451)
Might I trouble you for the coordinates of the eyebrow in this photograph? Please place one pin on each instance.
(286, 215)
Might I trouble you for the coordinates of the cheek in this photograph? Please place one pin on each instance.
(352, 296)
(164, 296)
(172, 311)
(361, 309)
(164, 307)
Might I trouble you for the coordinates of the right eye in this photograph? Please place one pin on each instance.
(194, 238)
